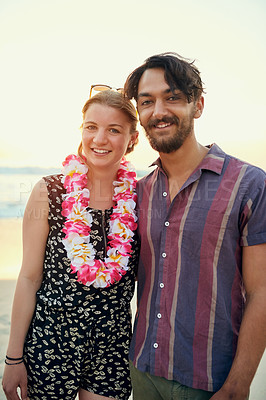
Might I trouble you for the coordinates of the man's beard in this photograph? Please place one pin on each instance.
(169, 144)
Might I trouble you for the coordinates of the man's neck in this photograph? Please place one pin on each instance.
(180, 164)
(184, 160)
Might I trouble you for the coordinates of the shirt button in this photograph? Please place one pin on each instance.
(161, 285)
(166, 223)
(164, 194)
(163, 255)
(155, 345)
(159, 315)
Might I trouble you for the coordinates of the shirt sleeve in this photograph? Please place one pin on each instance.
(253, 216)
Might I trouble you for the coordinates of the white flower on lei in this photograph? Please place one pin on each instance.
(126, 207)
(121, 230)
(114, 256)
(78, 213)
(79, 250)
(75, 166)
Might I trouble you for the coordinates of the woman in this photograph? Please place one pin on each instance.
(71, 322)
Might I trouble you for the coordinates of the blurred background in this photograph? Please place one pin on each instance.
(52, 51)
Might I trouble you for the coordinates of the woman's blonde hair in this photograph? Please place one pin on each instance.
(116, 100)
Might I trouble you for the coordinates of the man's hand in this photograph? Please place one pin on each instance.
(230, 394)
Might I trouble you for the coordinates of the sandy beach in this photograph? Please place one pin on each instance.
(11, 247)
(10, 259)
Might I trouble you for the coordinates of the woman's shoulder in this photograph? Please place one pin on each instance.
(54, 185)
(54, 181)
(55, 178)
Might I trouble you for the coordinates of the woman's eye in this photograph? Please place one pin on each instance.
(90, 127)
(113, 130)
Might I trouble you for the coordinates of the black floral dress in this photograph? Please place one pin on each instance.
(79, 335)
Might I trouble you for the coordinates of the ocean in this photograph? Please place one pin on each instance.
(16, 185)
(15, 190)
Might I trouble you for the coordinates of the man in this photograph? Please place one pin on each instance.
(200, 328)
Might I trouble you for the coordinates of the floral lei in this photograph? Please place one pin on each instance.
(80, 251)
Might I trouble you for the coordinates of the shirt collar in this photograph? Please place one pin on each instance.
(213, 161)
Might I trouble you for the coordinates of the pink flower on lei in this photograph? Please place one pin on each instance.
(123, 248)
(76, 227)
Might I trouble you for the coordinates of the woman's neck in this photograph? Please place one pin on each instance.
(101, 189)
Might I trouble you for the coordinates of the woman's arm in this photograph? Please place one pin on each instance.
(35, 232)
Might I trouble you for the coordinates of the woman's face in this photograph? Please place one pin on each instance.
(105, 136)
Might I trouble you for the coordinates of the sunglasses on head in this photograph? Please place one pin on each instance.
(101, 88)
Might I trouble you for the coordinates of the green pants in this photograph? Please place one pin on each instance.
(150, 387)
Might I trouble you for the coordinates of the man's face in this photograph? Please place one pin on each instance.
(167, 117)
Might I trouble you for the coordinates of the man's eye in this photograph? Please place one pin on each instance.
(174, 98)
(145, 102)
(177, 97)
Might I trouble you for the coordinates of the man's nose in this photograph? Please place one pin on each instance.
(159, 110)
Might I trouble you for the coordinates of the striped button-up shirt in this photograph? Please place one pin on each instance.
(190, 288)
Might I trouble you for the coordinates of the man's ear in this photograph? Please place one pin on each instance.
(199, 106)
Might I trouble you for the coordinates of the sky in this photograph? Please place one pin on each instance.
(52, 51)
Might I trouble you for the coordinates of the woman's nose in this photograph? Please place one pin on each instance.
(100, 137)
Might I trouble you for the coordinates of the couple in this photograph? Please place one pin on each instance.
(198, 253)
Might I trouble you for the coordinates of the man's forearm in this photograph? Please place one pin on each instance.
(250, 348)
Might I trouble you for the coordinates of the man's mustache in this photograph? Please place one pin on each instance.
(167, 120)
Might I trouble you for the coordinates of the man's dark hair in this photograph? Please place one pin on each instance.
(179, 73)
